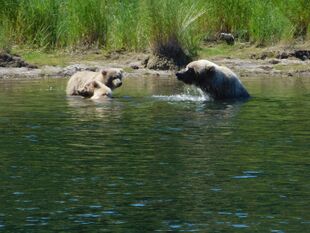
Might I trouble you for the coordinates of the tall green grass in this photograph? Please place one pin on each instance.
(268, 23)
(127, 25)
(298, 13)
(8, 11)
(36, 22)
(81, 23)
(230, 16)
(5, 45)
(161, 25)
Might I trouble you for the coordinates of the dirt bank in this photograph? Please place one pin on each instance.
(135, 64)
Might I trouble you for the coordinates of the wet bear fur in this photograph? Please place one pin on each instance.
(219, 82)
(95, 84)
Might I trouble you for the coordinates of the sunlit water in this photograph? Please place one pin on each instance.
(158, 157)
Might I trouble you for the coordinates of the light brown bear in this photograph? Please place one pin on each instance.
(95, 85)
(217, 81)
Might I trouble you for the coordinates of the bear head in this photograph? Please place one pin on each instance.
(194, 75)
(112, 77)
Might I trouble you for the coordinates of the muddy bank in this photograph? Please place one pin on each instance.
(271, 67)
(136, 64)
(132, 70)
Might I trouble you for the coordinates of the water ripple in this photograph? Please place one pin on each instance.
(191, 94)
(137, 205)
(248, 174)
(240, 225)
(182, 97)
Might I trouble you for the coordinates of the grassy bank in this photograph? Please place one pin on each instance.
(162, 25)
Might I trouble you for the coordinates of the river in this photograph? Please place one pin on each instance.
(158, 157)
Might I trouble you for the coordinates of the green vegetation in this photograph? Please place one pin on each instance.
(268, 23)
(162, 25)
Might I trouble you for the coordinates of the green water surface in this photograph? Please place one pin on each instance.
(155, 158)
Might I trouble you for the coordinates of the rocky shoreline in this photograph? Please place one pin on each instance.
(284, 64)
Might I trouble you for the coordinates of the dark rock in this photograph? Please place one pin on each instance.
(93, 69)
(228, 37)
(253, 56)
(134, 66)
(145, 61)
(302, 54)
(268, 68)
(274, 61)
(161, 63)
(8, 60)
(283, 55)
(268, 54)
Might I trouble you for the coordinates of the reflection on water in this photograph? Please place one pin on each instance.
(157, 157)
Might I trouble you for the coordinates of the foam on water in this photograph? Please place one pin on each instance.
(190, 94)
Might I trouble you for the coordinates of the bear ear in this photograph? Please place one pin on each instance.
(191, 70)
(210, 69)
(104, 72)
(95, 84)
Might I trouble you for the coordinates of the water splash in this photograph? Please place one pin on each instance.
(190, 94)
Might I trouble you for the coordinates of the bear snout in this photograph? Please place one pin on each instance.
(178, 74)
(117, 83)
